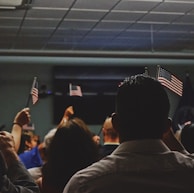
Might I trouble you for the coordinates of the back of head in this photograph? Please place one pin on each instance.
(74, 139)
(187, 137)
(142, 106)
(70, 150)
(108, 130)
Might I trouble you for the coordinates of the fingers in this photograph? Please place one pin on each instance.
(6, 136)
(5, 133)
(23, 117)
(68, 112)
(27, 112)
(6, 140)
(7, 148)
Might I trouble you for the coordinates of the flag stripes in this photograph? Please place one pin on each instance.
(75, 90)
(34, 91)
(170, 81)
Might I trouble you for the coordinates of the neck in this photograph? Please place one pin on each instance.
(110, 140)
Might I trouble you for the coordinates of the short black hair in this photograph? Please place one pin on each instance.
(187, 137)
(142, 106)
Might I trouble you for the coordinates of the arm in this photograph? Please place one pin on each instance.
(21, 118)
(67, 115)
(14, 178)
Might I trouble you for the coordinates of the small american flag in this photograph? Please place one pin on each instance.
(34, 91)
(170, 81)
(75, 90)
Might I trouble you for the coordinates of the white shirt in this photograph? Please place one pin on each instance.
(35, 172)
(143, 166)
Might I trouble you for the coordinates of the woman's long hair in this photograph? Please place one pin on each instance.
(71, 150)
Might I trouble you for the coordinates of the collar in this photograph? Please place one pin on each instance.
(142, 146)
(111, 143)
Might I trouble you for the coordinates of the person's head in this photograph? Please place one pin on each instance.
(187, 137)
(28, 141)
(109, 133)
(44, 146)
(71, 149)
(35, 140)
(75, 140)
(142, 108)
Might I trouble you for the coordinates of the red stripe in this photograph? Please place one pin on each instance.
(34, 94)
(172, 86)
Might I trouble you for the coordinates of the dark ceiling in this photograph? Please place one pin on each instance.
(154, 26)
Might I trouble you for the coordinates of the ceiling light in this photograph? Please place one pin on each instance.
(12, 4)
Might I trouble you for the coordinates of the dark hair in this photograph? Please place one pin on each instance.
(26, 136)
(71, 149)
(187, 137)
(142, 106)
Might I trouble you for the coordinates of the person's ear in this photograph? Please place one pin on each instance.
(115, 121)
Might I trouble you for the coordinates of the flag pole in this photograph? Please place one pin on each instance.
(29, 96)
(157, 72)
(70, 88)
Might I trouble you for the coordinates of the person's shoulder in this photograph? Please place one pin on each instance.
(189, 156)
(93, 173)
(184, 159)
(97, 169)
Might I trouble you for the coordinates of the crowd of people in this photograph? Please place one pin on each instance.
(139, 150)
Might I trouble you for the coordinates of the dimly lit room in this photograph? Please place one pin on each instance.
(92, 45)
